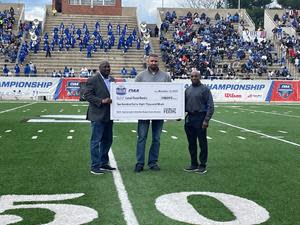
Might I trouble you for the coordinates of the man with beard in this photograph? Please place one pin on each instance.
(151, 74)
(199, 106)
(97, 94)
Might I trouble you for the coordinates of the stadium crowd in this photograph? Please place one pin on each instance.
(212, 47)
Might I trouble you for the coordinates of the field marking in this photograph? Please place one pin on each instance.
(223, 131)
(164, 131)
(34, 137)
(19, 107)
(71, 131)
(126, 206)
(40, 131)
(241, 137)
(8, 131)
(133, 131)
(273, 113)
(209, 138)
(282, 131)
(174, 137)
(56, 121)
(255, 132)
(279, 137)
(70, 137)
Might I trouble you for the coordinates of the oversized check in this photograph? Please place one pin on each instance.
(147, 100)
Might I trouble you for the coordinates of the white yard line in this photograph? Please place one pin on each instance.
(273, 113)
(282, 131)
(255, 132)
(126, 206)
(19, 107)
(241, 137)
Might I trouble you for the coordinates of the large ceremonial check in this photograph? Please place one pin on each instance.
(147, 100)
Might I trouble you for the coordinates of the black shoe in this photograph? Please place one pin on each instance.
(107, 168)
(138, 168)
(155, 168)
(191, 169)
(97, 171)
(201, 170)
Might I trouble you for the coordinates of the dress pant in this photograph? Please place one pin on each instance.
(194, 131)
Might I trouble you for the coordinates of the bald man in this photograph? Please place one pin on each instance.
(199, 106)
(97, 94)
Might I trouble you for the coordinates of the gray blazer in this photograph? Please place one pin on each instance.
(94, 92)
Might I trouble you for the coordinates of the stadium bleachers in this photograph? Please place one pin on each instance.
(75, 59)
(244, 24)
(12, 46)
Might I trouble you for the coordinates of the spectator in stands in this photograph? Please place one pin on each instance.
(72, 72)
(17, 70)
(66, 72)
(124, 72)
(133, 72)
(5, 70)
(26, 70)
(53, 73)
(31, 65)
(34, 70)
(48, 51)
(84, 72)
(156, 31)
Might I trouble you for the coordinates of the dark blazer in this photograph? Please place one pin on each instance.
(94, 92)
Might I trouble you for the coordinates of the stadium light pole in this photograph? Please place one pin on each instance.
(239, 4)
(162, 4)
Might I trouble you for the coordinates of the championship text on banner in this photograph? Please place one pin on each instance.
(147, 100)
(28, 88)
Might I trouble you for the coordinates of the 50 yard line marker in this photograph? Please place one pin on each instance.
(126, 206)
(255, 132)
(19, 107)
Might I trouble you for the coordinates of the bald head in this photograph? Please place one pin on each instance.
(195, 77)
(104, 68)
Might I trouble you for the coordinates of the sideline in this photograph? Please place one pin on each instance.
(127, 209)
(259, 133)
(8, 110)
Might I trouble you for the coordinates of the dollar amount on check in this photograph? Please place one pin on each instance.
(147, 100)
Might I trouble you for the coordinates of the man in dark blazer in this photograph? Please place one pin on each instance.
(97, 94)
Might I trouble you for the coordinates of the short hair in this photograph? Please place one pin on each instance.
(196, 72)
(153, 55)
(103, 63)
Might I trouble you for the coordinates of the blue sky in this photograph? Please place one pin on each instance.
(146, 8)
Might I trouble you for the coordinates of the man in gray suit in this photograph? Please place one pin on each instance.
(97, 94)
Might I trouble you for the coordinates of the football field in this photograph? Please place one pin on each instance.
(253, 169)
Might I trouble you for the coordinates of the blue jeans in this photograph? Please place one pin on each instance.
(101, 141)
(143, 127)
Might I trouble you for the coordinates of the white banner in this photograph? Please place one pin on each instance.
(28, 88)
(236, 90)
(147, 100)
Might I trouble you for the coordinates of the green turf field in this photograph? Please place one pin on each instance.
(254, 154)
